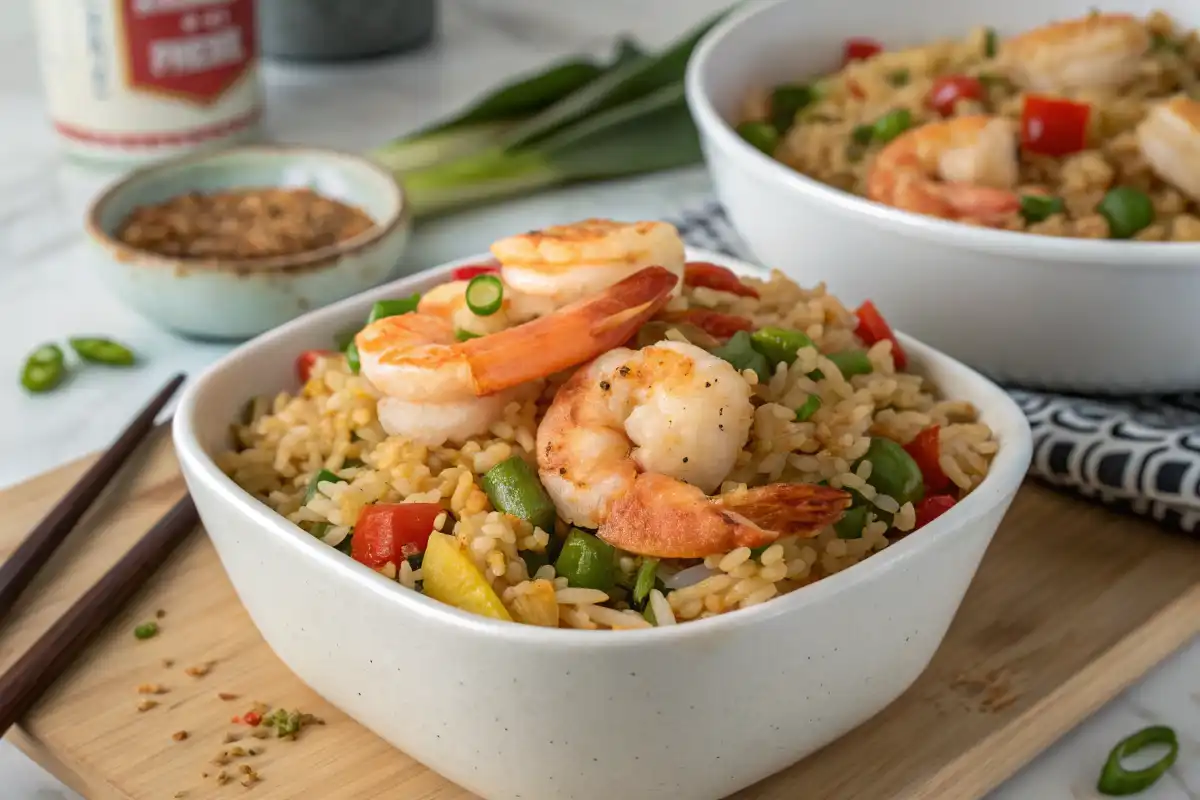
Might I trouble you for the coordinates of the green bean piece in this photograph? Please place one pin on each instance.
(147, 630)
(779, 344)
(98, 350)
(44, 369)
(786, 102)
(990, 43)
(852, 362)
(514, 488)
(894, 472)
(898, 78)
(323, 476)
(739, 351)
(586, 561)
(808, 408)
(645, 582)
(851, 525)
(891, 125)
(393, 308)
(762, 135)
(1128, 211)
(1117, 781)
(1038, 207)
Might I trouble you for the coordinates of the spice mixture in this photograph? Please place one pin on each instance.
(243, 224)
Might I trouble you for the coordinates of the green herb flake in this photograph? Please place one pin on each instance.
(147, 630)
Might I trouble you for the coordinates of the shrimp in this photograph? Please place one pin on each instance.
(1099, 51)
(1169, 138)
(564, 263)
(438, 389)
(963, 169)
(635, 441)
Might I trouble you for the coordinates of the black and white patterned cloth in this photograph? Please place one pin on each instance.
(1138, 453)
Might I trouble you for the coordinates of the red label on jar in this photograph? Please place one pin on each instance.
(192, 49)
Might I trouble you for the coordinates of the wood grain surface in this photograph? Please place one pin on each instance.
(1071, 605)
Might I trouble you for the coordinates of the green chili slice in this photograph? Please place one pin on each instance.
(485, 295)
(393, 308)
(762, 135)
(786, 102)
(323, 476)
(808, 408)
(44, 369)
(644, 581)
(352, 358)
(99, 350)
(1037, 207)
(852, 362)
(779, 344)
(147, 630)
(586, 561)
(1115, 780)
(463, 335)
(891, 125)
(1128, 211)
(739, 351)
(513, 488)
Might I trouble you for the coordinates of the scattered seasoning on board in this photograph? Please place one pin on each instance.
(992, 692)
(168, 663)
(160, 614)
(227, 696)
(230, 738)
(200, 670)
(152, 688)
(147, 630)
(179, 736)
(145, 704)
(243, 224)
(222, 778)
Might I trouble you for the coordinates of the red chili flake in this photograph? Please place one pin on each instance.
(252, 718)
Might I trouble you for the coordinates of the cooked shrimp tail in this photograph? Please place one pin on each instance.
(1092, 52)
(663, 517)
(569, 336)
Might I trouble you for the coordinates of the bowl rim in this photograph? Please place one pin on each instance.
(1007, 473)
(308, 260)
(1096, 252)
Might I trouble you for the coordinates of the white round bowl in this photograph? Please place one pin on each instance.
(689, 712)
(1100, 316)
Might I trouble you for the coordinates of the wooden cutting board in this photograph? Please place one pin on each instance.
(1072, 604)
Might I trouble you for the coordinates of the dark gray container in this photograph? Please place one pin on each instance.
(343, 30)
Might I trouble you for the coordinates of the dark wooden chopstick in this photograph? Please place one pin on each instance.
(32, 674)
(18, 570)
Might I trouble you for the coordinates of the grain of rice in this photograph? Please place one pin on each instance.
(663, 614)
(577, 595)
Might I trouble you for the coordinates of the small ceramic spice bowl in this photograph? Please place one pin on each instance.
(229, 244)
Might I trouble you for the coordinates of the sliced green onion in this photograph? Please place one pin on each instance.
(852, 362)
(1116, 781)
(393, 308)
(1128, 211)
(513, 488)
(352, 360)
(739, 351)
(586, 561)
(147, 630)
(463, 335)
(851, 525)
(898, 78)
(808, 408)
(99, 350)
(1037, 207)
(990, 43)
(44, 368)
(779, 344)
(485, 295)
(786, 102)
(891, 125)
(644, 582)
(762, 135)
(324, 476)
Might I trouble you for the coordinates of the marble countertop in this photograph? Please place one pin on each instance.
(47, 291)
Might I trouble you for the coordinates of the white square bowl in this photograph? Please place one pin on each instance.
(687, 712)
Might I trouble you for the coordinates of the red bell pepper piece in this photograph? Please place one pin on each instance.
(1052, 126)
(872, 328)
(948, 90)
(926, 450)
(859, 48)
(472, 270)
(305, 361)
(714, 276)
(933, 507)
(714, 323)
(392, 532)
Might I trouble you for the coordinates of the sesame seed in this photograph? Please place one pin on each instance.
(179, 736)
(145, 704)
